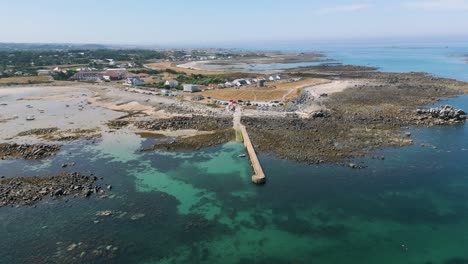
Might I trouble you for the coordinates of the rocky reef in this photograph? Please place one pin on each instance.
(22, 191)
(195, 142)
(445, 112)
(26, 151)
(203, 123)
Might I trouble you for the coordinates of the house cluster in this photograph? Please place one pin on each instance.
(50, 72)
(260, 81)
(12, 72)
(110, 75)
(199, 58)
(111, 62)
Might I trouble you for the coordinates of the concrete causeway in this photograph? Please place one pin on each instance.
(259, 176)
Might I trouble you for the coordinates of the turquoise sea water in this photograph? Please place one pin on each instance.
(200, 207)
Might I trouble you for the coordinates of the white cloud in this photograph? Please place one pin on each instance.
(439, 4)
(343, 8)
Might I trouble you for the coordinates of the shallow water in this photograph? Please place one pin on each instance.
(200, 207)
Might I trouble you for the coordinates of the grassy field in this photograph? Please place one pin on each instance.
(25, 80)
(282, 91)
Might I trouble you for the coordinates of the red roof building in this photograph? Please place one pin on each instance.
(143, 75)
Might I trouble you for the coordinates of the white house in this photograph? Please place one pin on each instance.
(135, 81)
(192, 88)
(240, 82)
(43, 72)
(171, 83)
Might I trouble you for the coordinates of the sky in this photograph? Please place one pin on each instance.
(205, 22)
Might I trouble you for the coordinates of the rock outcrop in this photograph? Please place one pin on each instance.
(445, 112)
(204, 123)
(28, 152)
(30, 190)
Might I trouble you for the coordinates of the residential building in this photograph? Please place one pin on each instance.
(119, 74)
(240, 82)
(87, 76)
(43, 72)
(143, 75)
(134, 81)
(261, 83)
(171, 83)
(192, 88)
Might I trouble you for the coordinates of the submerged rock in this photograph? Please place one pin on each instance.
(104, 213)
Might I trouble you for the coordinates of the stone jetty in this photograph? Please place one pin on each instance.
(259, 176)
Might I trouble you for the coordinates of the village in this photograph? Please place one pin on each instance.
(267, 91)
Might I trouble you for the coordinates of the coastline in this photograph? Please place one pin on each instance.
(332, 114)
(114, 108)
(161, 161)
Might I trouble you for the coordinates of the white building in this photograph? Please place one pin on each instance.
(43, 72)
(192, 88)
(240, 82)
(134, 81)
(171, 83)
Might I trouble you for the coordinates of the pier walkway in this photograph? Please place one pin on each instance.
(259, 176)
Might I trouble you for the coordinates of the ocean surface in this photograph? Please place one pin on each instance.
(200, 207)
(432, 57)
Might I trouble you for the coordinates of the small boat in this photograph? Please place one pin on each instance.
(30, 118)
(242, 156)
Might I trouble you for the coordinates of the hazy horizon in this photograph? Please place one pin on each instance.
(209, 22)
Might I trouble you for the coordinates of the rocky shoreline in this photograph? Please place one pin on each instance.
(26, 191)
(195, 142)
(358, 120)
(55, 134)
(370, 115)
(28, 152)
(202, 123)
(446, 113)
